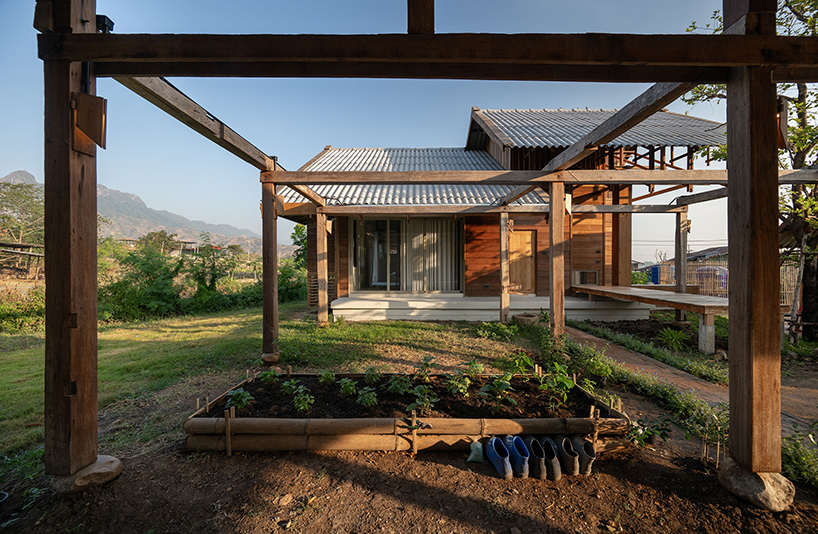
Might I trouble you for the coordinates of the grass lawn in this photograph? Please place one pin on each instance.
(137, 361)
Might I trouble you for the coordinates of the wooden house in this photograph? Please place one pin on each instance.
(430, 251)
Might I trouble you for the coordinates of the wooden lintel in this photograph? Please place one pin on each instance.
(620, 50)
(181, 107)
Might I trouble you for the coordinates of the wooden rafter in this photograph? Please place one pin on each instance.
(704, 196)
(178, 105)
(660, 192)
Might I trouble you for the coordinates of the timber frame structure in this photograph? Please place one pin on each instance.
(748, 56)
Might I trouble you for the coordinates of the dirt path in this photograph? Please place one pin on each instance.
(798, 404)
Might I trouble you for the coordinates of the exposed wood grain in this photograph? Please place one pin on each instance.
(70, 243)
(421, 16)
(556, 257)
(504, 270)
(321, 266)
(269, 267)
(702, 197)
(178, 105)
(621, 230)
(622, 50)
(682, 229)
(309, 194)
(689, 302)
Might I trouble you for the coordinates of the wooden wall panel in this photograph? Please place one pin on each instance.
(482, 265)
(342, 283)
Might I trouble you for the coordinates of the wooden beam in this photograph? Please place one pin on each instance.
(71, 246)
(503, 177)
(702, 197)
(269, 268)
(450, 209)
(556, 257)
(309, 194)
(622, 225)
(321, 260)
(621, 50)
(682, 229)
(752, 207)
(504, 269)
(178, 105)
(639, 109)
(657, 193)
(21, 253)
(421, 16)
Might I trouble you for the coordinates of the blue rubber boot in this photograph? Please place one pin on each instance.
(569, 459)
(518, 454)
(498, 455)
(586, 452)
(536, 458)
(552, 461)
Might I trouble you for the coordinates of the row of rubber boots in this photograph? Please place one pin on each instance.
(548, 457)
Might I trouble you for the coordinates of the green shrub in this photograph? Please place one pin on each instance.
(497, 331)
(638, 278)
(799, 454)
(20, 312)
(292, 281)
(673, 339)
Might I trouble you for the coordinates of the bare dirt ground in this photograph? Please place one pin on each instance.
(165, 489)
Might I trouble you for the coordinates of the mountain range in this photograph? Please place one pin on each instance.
(131, 218)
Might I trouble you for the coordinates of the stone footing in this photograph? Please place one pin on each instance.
(270, 358)
(770, 491)
(105, 469)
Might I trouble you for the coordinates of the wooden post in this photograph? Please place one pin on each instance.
(556, 255)
(321, 259)
(621, 229)
(682, 229)
(70, 245)
(421, 16)
(505, 302)
(269, 266)
(752, 208)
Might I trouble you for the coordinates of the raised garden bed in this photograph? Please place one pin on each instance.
(270, 422)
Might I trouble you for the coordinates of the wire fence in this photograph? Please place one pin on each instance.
(713, 278)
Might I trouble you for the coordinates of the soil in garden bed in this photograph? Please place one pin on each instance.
(270, 401)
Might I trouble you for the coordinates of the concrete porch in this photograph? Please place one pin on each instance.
(395, 305)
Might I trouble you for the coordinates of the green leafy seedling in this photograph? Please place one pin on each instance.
(425, 399)
(473, 368)
(423, 370)
(290, 386)
(367, 397)
(399, 384)
(347, 386)
(269, 377)
(303, 401)
(238, 398)
(458, 384)
(326, 377)
(497, 392)
(372, 375)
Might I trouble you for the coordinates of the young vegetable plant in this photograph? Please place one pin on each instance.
(367, 396)
(522, 363)
(643, 432)
(269, 377)
(347, 386)
(423, 370)
(290, 386)
(372, 375)
(239, 398)
(497, 391)
(473, 368)
(425, 399)
(303, 400)
(556, 383)
(399, 384)
(326, 377)
(458, 384)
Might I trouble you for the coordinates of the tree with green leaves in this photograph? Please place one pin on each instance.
(299, 237)
(798, 203)
(21, 213)
(210, 264)
(160, 240)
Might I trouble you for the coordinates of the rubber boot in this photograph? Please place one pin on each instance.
(552, 461)
(498, 455)
(536, 458)
(569, 459)
(586, 452)
(518, 454)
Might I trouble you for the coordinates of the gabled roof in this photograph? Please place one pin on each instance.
(406, 159)
(563, 127)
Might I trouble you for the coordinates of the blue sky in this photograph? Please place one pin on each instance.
(172, 168)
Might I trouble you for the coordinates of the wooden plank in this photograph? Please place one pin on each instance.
(504, 271)
(421, 16)
(178, 105)
(621, 50)
(321, 262)
(657, 192)
(70, 243)
(91, 117)
(269, 267)
(621, 231)
(522, 260)
(503, 177)
(689, 302)
(556, 257)
(702, 197)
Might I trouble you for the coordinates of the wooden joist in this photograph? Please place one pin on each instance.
(449, 209)
(165, 96)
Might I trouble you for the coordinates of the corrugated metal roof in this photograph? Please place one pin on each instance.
(564, 127)
(406, 159)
